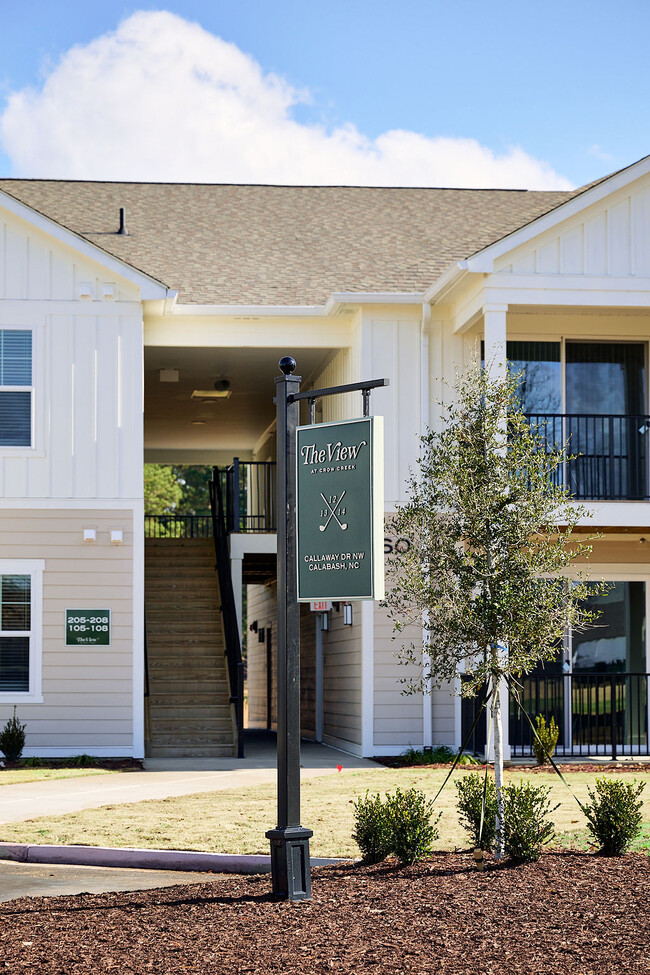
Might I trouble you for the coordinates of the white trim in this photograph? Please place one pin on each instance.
(66, 504)
(242, 543)
(341, 745)
(249, 311)
(446, 282)
(33, 568)
(150, 288)
(332, 306)
(138, 631)
(367, 676)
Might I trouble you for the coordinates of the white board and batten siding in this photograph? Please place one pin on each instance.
(87, 370)
(87, 692)
(83, 469)
(609, 238)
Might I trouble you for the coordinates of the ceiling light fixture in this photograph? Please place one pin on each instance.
(210, 393)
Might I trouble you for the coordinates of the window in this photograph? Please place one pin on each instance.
(20, 630)
(15, 388)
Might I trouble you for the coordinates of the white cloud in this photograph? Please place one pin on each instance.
(163, 99)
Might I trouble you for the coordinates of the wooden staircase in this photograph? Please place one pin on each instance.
(189, 710)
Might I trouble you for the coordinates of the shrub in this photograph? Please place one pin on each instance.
(411, 830)
(614, 814)
(526, 828)
(399, 824)
(33, 762)
(371, 831)
(439, 755)
(470, 800)
(547, 735)
(81, 761)
(12, 739)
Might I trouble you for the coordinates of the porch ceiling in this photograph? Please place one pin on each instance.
(173, 421)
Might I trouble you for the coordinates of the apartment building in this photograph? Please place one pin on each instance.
(144, 322)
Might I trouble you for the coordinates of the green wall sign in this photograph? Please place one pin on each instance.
(87, 627)
(340, 510)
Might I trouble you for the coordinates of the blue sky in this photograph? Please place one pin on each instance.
(548, 93)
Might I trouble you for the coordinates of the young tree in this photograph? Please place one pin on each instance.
(490, 533)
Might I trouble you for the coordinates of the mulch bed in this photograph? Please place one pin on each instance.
(569, 913)
(397, 761)
(114, 764)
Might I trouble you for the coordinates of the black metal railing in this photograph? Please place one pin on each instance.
(603, 457)
(249, 490)
(596, 713)
(232, 635)
(178, 526)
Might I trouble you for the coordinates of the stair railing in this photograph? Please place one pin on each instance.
(228, 611)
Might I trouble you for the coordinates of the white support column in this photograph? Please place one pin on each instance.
(494, 333)
(237, 588)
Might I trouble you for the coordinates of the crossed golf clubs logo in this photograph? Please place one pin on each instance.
(332, 514)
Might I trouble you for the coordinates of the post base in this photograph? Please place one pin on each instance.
(290, 866)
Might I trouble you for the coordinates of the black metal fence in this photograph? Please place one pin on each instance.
(178, 526)
(596, 713)
(249, 490)
(608, 453)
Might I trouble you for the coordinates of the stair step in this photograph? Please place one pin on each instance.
(182, 686)
(174, 750)
(191, 733)
(216, 705)
(192, 628)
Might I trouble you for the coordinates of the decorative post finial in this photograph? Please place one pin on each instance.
(287, 364)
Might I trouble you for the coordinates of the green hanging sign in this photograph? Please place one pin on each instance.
(340, 510)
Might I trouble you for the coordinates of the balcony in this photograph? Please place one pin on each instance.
(606, 455)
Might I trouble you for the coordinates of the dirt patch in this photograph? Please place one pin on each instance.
(570, 913)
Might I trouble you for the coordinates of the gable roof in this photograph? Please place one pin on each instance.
(285, 245)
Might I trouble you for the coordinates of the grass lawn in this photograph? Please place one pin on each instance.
(12, 776)
(234, 821)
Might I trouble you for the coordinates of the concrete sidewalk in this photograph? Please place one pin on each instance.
(164, 778)
(48, 880)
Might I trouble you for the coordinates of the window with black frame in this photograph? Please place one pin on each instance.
(16, 391)
(15, 633)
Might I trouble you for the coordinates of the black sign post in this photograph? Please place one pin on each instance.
(290, 866)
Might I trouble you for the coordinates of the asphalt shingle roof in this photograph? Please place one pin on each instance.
(284, 245)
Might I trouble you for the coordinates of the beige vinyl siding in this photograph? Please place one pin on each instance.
(443, 714)
(342, 681)
(262, 608)
(398, 717)
(307, 672)
(87, 691)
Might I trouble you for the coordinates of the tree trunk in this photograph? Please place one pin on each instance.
(498, 766)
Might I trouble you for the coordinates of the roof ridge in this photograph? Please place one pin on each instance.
(277, 186)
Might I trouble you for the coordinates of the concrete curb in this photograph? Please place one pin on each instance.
(97, 856)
